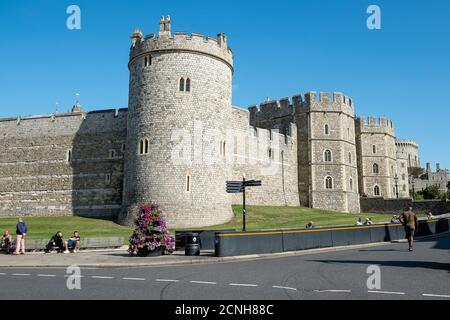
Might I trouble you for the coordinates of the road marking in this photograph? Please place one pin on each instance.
(436, 295)
(167, 280)
(21, 274)
(387, 292)
(332, 291)
(285, 288)
(3, 274)
(46, 275)
(73, 276)
(100, 277)
(135, 279)
(204, 282)
(242, 285)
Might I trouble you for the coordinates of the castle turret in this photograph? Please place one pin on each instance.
(377, 159)
(180, 87)
(328, 177)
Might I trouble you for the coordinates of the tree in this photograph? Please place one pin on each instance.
(416, 172)
(431, 193)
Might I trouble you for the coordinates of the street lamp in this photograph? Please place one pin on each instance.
(413, 190)
(396, 184)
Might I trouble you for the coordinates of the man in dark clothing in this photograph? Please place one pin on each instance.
(55, 241)
(411, 224)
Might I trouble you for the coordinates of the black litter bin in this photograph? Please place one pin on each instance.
(192, 241)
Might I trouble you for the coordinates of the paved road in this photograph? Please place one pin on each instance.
(423, 274)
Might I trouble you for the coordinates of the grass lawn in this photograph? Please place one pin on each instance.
(259, 217)
(45, 227)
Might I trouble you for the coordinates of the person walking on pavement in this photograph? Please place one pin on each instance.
(21, 232)
(411, 224)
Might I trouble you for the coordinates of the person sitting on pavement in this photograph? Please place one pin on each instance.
(6, 242)
(310, 225)
(430, 216)
(395, 219)
(359, 222)
(368, 222)
(55, 241)
(73, 243)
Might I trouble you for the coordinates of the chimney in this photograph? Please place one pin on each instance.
(165, 26)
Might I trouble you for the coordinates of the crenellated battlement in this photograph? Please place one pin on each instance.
(375, 125)
(327, 97)
(180, 41)
(311, 101)
(406, 143)
(271, 110)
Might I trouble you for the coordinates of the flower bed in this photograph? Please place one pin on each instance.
(151, 236)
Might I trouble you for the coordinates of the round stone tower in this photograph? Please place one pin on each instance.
(179, 108)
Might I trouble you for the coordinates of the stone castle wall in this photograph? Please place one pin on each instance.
(267, 156)
(39, 177)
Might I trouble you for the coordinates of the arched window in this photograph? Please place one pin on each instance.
(327, 129)
(376, 191)
(376, 168)
(188, 85)
(374, 149)
(181, 84)
(147, 61)
(329, 183)
(146, 144)
(327, 156)
(141, 147)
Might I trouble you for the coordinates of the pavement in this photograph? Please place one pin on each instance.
(314, 275)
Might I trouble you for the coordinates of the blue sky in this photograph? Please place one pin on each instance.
(281, 48)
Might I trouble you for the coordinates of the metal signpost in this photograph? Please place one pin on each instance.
(239, 187)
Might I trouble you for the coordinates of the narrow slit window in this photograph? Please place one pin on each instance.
(188, 183)
(141, 147)
(69, 156)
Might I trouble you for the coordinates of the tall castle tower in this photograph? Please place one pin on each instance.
(328, 177)
(180, 86)
(377, 157)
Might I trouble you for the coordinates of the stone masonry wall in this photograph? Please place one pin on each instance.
(273, 161)
(38, 178)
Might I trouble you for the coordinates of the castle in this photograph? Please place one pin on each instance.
(181, 139)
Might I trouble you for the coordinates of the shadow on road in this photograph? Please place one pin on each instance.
(400, 264)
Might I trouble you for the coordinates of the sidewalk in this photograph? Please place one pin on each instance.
(121, 259)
